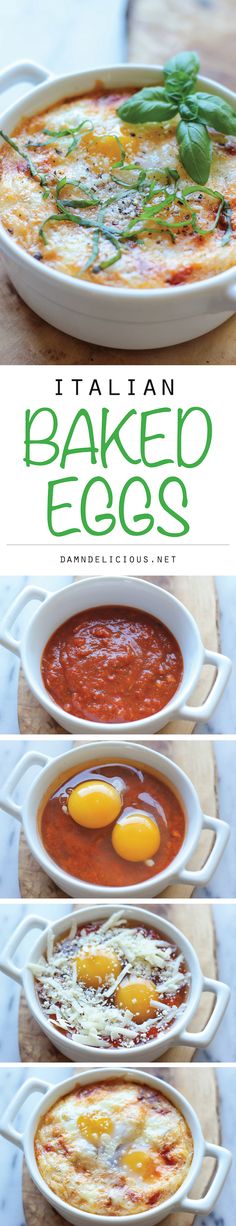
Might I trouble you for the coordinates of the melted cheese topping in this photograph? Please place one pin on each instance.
(141, 983)
(114, 1148)
(88, 159)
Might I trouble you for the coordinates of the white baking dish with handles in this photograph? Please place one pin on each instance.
(51, 769)
(153, 1048)
(181, 1199)
(106, 315)
(55, 609)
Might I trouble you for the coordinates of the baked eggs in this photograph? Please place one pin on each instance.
(114, 1148)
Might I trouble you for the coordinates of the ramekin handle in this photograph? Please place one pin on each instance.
(33, 1086)
(29, 593)
(6, 963)
(200, 876)
(223, 666)
(203, 1037)
(32, 758)
(24, 70)
(206, 1203)
(231, 293)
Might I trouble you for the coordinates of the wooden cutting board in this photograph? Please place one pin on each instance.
(197, 759)
(196, 922)
(206, 26)
(200, 1087)
(199, 596)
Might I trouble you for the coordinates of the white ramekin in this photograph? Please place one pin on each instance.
(180, 1200)
(91, 593)
(52, 768)
(148, 1051)
(121, 318)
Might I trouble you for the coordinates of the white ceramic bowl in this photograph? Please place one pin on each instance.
(154, 1048)
(75, 887)
(91, 593)
(180, 1200)
(121, 318)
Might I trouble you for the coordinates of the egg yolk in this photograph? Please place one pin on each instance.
(96, 967)
(94, 1126)
(136, 837)
(94, 804)
(139, 996)
(139, 1163)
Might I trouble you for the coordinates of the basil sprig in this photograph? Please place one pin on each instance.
(179, 95)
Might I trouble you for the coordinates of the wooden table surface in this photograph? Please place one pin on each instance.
(155, 32)
(151, 34)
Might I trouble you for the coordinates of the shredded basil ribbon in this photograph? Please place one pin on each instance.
(33, 169)
(156, 213)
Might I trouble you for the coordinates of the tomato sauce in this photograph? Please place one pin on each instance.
(112, 665)
(89, 854)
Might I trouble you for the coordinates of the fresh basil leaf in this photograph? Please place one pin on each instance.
(194, 150)
(180, 73)
(188, 108)
(214, 111)
(148, 106)
(184, 61)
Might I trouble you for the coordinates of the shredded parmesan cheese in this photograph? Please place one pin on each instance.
(91, 1015)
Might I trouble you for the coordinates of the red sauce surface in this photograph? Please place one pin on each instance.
(89, 854)
(112, 665)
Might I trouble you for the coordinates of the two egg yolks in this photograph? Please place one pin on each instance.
(95, 804)
(94, 1127)
(96, 968)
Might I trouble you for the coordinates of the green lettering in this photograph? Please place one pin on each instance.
(174, 514)
(58, 506)
(30, 418)
(114, 437)
(182, 418)
(95, 481)
(91, 449)
(145, 438)
(148, 519)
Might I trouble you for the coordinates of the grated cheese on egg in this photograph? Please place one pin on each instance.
(91, 1014)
